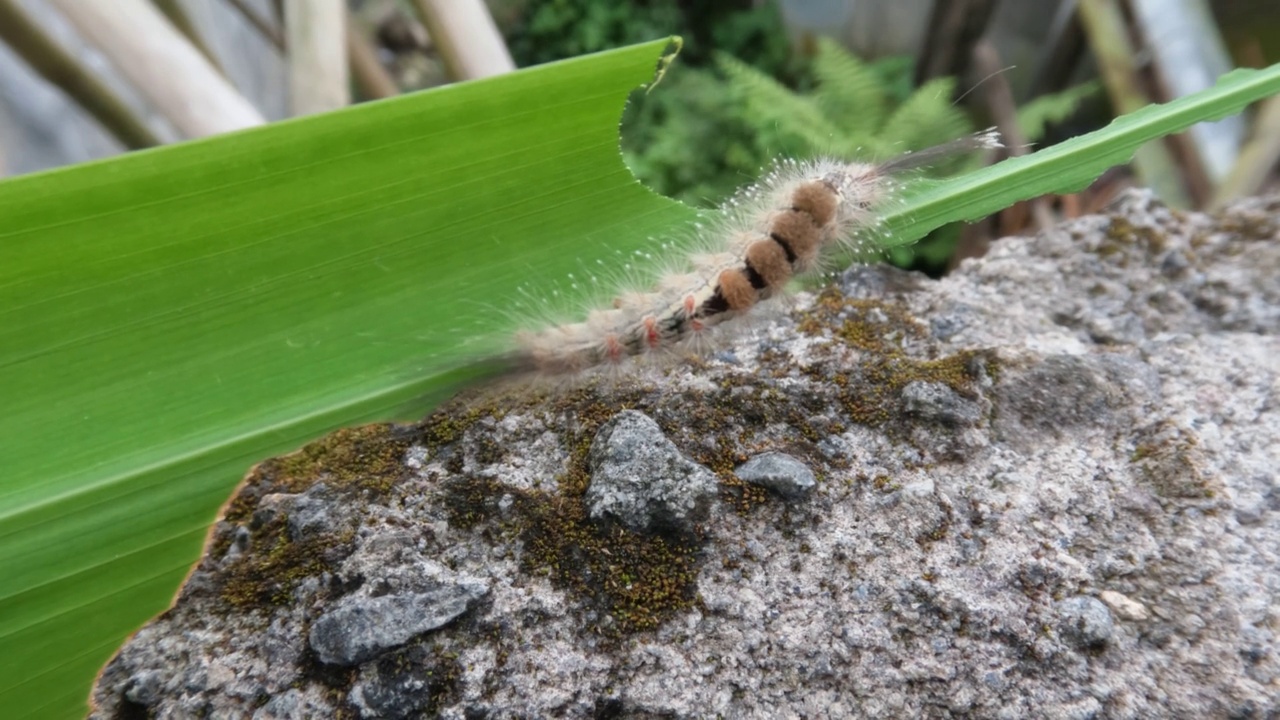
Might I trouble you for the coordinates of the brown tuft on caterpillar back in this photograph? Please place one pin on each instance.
(769, 259)
(798, 235)
(818, 200)
(736, 290)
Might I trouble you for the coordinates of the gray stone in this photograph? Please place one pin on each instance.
(145, 687)
(947, 325)
(640, 479)
(361, 628)
(285, 706)
(309, 512)
(1124, 607)
(937, 402)
(294, 704)
(780, 473)
(403, 686)
(1085, 621)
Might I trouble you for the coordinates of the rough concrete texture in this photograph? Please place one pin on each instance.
(1046, 486)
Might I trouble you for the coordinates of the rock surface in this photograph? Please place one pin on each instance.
(1046, 487)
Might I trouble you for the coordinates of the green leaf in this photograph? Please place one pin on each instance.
(170, 317)
(1071, 165)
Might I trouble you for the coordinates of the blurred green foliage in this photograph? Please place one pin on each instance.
(742, 96)
(717, 128)
(1037, 116)
(539, 31)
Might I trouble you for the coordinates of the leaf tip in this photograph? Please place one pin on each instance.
(674, 45)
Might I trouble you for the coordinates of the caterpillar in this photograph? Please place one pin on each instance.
(782, 228)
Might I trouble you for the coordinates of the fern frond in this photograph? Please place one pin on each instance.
(1037, 114)
(926, 118)
(849, 91)
(787, 122)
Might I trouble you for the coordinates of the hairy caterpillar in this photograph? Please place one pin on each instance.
(780, 229)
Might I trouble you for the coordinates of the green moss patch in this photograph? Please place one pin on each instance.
(869, 390)
(631, 581)
(273, 564)
(875, 326)
(365, 458)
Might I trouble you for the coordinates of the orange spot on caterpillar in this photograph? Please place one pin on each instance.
(652, 337)
(613, 349)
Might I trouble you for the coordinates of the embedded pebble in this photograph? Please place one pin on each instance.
(1124, 607)
(1085, 621)
(640, 479)
(780, 473)
(938, 402)
(362, 628)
